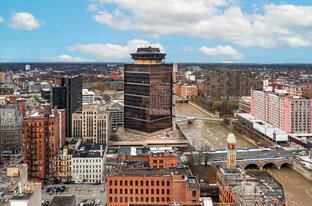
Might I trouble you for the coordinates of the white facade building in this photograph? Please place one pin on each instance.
(87, 96)
(88, 163)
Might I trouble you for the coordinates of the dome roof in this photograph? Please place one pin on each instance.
(231, 138)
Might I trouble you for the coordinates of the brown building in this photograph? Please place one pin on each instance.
(148, 90)
(42, 139)
(307, 92)
(151, 186)
(2, 77)
(245, 105)
(225, 83)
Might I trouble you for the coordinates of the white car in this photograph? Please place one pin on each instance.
(98, 202)
(102, 189)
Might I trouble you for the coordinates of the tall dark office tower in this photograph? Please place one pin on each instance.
(148, 92)
(67, 94)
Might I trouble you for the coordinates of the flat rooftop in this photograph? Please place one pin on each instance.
(121, 171)
(124, 135)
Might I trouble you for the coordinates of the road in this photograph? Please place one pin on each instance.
(252, 154)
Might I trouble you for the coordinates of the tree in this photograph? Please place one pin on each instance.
(94, 86)
(100, 85)
(216, 106)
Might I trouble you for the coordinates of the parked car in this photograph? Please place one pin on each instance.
(92, 202)
(62, 189)
(48, 190)
(51, 192)
(102, 189)
(98, 202)
(57, 189)
(96, 183)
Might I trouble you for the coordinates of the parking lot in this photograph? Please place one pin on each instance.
(84, 193)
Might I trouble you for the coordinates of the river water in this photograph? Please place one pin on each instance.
(204, 134)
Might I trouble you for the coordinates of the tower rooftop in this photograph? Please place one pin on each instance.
(148, 53)
(231, 138)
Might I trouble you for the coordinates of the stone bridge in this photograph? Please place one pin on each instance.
(268, 162)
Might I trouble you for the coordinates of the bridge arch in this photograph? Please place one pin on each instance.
(286, 164)
(271, 164)
(252, 166)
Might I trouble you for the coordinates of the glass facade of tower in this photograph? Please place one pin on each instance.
(148, 97)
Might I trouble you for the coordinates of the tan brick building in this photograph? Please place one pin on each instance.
(91, 124)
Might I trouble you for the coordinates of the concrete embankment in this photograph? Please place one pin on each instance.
(299, 167)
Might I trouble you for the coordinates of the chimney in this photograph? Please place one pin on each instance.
(55, 111)
(47, 110)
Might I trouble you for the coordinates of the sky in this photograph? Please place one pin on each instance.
(197, 31)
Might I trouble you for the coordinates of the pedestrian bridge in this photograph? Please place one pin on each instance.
(192, 119)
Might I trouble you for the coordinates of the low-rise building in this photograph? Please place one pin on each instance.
(245, 105)
(63, 164)
(63, 201)
(189, 91)
(88, 163)
(151, 186)
(87, 96)
(116, 111)
(17, 191)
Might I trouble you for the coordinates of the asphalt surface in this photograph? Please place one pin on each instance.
(84, 193)
(243, 155)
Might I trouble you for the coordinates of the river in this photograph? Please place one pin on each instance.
(204, 134)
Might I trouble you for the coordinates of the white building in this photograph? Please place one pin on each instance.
(87, 96)
(27, 67)
(88, 163)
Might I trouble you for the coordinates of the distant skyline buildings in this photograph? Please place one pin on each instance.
(220, 31)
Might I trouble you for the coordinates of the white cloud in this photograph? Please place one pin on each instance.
(1, 20)
(24, 21)
(113, 52)
(222, 52)
(64, 58)
(187, 49)
(268, 26)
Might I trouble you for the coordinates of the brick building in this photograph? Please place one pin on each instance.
(151, 186)
(230, 83)
(44, 133)
(307, 92)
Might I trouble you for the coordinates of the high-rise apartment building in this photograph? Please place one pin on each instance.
(67, 94)
(291, 114)
(91, 124)
(148, 91)
(230, 83)
(44, 133)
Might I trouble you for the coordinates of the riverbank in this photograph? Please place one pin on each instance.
(222, 123)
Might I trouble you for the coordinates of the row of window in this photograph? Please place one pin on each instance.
(147, 199)
(147, 183)
(141, 191)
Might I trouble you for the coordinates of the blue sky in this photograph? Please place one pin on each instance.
(205, 31)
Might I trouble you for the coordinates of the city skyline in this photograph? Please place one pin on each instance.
(215, 31)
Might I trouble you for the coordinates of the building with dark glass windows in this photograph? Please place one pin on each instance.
(148, 92)
(67, 94)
